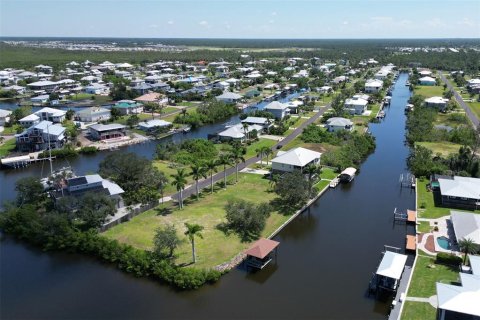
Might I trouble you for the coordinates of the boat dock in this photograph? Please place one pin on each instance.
(409, 217)
(22, 161)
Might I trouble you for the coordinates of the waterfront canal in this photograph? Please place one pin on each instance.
(325, 259)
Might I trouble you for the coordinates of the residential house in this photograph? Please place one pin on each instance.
(154, 124)
(427, 81)
(259, 121)
(51, 114)
(238, 132)
(97, 88)
(356, 105)
(78, 186)
(295, 159)
(373, 85)
(40, 100)
(29, 120)
(278, 109)
(38, 137)
(129, 107)
(93, 114)
(107, 131)
(437, 102)
(461, 301)
(153, 97)
(47, 86)
(4, 116)
(17, 89)
(229, 97)
(337, 123)
(459, 192)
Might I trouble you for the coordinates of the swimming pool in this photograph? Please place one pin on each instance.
(444, 242)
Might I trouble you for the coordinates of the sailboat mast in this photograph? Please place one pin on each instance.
(49, 151)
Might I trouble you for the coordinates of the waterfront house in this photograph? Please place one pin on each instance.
(461, 301)
(78, 186)
(238, 132)
(155, 124)
(142, 88)
(436, 102)
(4, 116)
(47, 86)
(93, 114)
(107, 131)
(260, 121)
(51, 114)
(153, 97)
(40, 100)
(466, 225)
(97, 88)
(373, 85)
(129, 107)
(337, 123)
(278, 109)
(29, 120)
(229, 97)
(427, 81)
(356, 105)
(17, 89)
(40, 136)
(294, 159)
(459, 192)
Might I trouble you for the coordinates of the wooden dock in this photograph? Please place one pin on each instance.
(411, 243)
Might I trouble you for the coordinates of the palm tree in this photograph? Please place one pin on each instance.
(467, 246)
(311, 170)
(225, 160)
(267, 152)
(245, 129)
(184, 113)
(260, 154)
(269, 122)
(211, 167)
(237, 156)
(192, 231)
(198, 172)
(160, 109)
(179, 181)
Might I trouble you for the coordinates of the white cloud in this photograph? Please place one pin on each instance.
(435, 23)
(170, 22)
(271, 21)
(203, 23)
(381, 19)
(466, 22)
(274, 13)
(345, 22)
(153, 26)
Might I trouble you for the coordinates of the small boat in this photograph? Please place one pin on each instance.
(381, 114)
(186, 129)
(407, 84)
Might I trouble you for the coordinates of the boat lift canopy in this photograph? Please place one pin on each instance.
(392, 265)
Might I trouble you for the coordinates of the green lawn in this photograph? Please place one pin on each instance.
(426, 204)
(216, 247)
(141, 116)
(328, 173)
(11, 130)
(322, 184)
(169, 169)
(424, 227)
(444, 148)
(258, 145)
(81, 96)
(170, 109)
(429, 91)
(413, 310)
(475, 107)
(7, 147)
(424, 278)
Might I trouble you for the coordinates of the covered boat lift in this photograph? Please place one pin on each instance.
(389, 272)
(260, 253)
(348, 174)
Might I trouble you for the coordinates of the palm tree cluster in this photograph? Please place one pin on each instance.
(202, 170)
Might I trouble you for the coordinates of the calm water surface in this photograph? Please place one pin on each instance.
(325, 259)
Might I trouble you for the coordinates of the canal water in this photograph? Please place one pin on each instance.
(325, 259)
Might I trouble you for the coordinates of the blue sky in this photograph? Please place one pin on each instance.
(242, 19)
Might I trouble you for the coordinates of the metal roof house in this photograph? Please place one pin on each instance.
(466, 226)
(40, 136)
(93, 114)
(460, 192)
(278, 109)
(229, 97)
(461, 301)
(107, 131)
(356, 105)
(436, 102)
(338, 123)
(295, 159)
(129, 107)
(373, 85)
(151, 125)
(51, 114)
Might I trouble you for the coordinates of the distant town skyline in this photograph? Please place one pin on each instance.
(318, 19)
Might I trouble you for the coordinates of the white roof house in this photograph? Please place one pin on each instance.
(295, 159)
(338, 123)
(256, 120)
(278, 109)
(356, 105)
(462, 299)
(51, 114)
(392, 265)
(229, 97)
(373, 85)
(152, 124)
(237, 132)
(466, 225)
(463, 187)
(427, 81)
(436, 102)
(29, 120)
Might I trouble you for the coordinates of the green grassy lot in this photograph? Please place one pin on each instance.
(426, 205)
(216, 247)
(170, 109)
(475, 107)
(424, 227)
(413, 310)
(425, 278)
(444, 148)
(141, 116)
(11, 130)
(7, 147)
(251, 149)
(169, 169)
(446, 119)
(81, 96)
(319, 147)
(328, 173)
(173, 116)
(429, 91)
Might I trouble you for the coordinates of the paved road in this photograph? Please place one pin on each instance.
(473, 118)
(219, 176)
